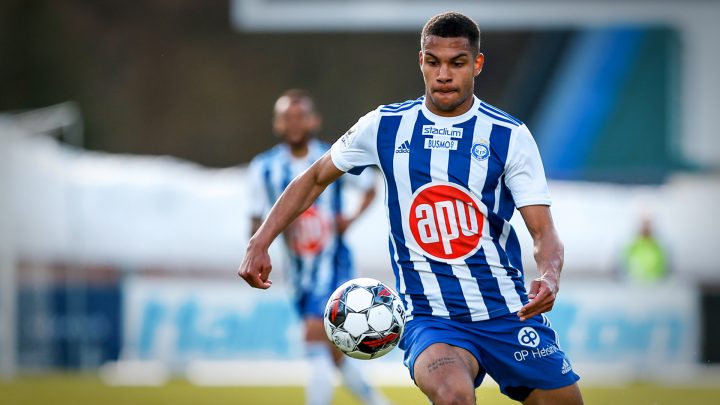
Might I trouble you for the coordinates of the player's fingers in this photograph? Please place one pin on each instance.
(253, 278)
(264, 285)
(265, 271)
(534, 287)
(243, 274)
(527, 313)
(536, 304)
(248, 277)
(263, 276)
(541, 304)
(526, 310)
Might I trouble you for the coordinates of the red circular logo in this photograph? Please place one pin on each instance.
(309, 233)
(446, 221)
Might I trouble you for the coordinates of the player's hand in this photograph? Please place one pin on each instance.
(542, 298)
(255, 267)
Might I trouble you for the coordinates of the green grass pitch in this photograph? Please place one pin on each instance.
(79, 389)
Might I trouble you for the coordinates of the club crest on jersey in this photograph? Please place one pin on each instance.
(445, 132)
(445, 221)
(481, 150)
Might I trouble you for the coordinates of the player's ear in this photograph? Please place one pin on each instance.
(316, 123)
(420, 57)
(479, 61)
(277, 127)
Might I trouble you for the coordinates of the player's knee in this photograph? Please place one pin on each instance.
(551, 401)
(314, 330)
(569, 395)
(453, 394)
(455, 398)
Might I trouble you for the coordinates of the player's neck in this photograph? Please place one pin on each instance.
(458, 111)
(299, 150)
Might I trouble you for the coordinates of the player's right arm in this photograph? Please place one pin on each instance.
(355, 148)
(258, 201)
(297, 197)
(525, 177)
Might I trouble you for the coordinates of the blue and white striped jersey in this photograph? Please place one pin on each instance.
(452, 185)
(318, 257)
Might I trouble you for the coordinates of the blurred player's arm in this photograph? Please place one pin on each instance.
(549, 256)
(297, 197)
(368, 179)
(255, 223)
(258, 200)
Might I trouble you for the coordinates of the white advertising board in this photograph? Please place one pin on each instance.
(607, 329)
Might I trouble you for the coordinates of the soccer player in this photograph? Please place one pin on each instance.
(319, 260)
(455, 169)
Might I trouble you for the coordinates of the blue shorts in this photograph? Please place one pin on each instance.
(519, 356)
(310, 301)
(311, 304)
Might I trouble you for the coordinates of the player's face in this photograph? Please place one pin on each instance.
(449, 67)
(295, 122)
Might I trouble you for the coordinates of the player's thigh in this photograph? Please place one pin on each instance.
(442, 370)
(314, 329)
(569, 395)
(311, 307)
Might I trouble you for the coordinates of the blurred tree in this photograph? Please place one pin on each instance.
(172, 77)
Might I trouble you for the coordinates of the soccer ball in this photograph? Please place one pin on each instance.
(364, 318)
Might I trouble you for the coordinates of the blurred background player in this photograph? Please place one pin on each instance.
(645, 259)
(318, 257)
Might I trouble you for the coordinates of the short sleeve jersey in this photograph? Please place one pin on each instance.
(452, 185)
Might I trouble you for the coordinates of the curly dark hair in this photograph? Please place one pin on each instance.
(452, 25)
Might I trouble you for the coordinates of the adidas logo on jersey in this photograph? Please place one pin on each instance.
(403, 148)
(566, 367)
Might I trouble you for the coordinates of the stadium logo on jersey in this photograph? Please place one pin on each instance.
(445, 221)
(434, 143)
(446, 132)
(309, 233)
(528, 337)
(481, 151)
(403, 148)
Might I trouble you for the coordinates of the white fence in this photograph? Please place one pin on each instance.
(67, 205)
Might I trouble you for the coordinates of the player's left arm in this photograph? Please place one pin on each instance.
(549, 256)
(344, 222)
